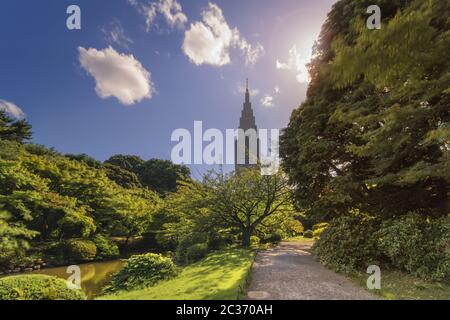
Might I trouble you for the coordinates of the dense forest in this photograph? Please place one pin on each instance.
(369, 149)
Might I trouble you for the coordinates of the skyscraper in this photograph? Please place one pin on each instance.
(247, 144)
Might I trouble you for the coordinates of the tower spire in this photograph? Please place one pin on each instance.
(246, 145)
(247, 93)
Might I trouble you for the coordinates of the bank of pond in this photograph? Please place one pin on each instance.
(94, 275)
(220, 275)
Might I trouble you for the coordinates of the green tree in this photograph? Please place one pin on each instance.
(127, 162)
(162, 175)
(247, 200)
(373, 132)
(19, 130)
(122, 177)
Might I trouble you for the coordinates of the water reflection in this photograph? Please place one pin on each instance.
(93, 275)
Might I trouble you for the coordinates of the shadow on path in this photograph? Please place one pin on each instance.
(289, 272)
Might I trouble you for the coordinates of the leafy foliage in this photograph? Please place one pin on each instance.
(308, 234)
(319, 228)
(142, 271)
(413, 244)
(249, 202)
(37, 287)
(45, 196)
(347, 244)
(190, 242)
(373, 133)
(122, 177)
(161, 176)
(196, 252)
(14, 130)
(106, 249)
(372, 136)
(78, 250)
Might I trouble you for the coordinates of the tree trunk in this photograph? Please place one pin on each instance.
(246, 234)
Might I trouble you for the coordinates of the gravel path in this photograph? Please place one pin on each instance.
(289, 272)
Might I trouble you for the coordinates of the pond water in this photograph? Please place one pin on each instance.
(93, 275)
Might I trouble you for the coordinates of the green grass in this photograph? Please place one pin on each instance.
(300, 239)
(397, 285)
(222, 275)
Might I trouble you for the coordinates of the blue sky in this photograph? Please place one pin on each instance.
(174, 77)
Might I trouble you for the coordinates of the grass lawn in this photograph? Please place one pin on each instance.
(221, 275)
(397, 285)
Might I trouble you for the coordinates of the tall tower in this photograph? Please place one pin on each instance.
(248, 144)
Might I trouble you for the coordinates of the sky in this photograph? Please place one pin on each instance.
(137, 70)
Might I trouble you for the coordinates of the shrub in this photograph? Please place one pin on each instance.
(294, 227)
(347, 244)
(417, 245)
(439, 237)
(78, 250)
(37, 287)
(413, 243)
(321, 225)
(141, 271)
(196, 252)
(254, 241)
(186, 242)
(218, 240)
(319, 228)
(273, 238)
(106, 249)
(308, 234)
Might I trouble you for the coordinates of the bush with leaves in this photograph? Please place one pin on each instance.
(196, 252)
(308, 234)
(220, 239)
(106, 249)
(186, 242)
(348, 245)
(254, 241)
(141, 271)
(319, 228)
(273, 238)
(78, 250)
(417, 245)
(37, 287)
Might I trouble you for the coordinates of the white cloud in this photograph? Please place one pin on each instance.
(296, 64)
(170, 10)
(267, 101)
(12, 109)
(117, 75)
(209, 41)
(115, 33)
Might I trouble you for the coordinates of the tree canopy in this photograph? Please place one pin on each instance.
(373, 133)
(163, 176)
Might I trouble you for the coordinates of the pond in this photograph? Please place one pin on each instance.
(94, 275)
